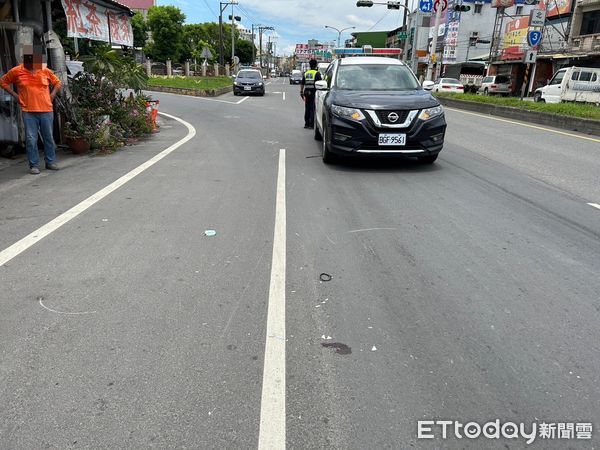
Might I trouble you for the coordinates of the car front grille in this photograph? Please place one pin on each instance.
(383, 116)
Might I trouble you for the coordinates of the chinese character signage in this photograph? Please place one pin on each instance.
(556, 8)
(515, 39)
(91, 21)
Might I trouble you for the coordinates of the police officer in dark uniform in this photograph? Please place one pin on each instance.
(308, 91)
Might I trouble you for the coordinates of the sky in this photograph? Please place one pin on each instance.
(296, 21)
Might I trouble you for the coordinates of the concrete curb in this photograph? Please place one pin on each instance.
(191, 92)
(587, 126)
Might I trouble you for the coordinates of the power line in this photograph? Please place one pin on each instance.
(377, 23)
(210, 9)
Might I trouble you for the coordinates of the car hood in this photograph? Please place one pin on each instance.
(417, 99)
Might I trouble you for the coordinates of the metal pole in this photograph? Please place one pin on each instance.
(221, 59)
(414, 58)
(260, 30)
(436, 30)
(253, 47)
(232, 35)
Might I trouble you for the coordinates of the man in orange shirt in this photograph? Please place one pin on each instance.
(33, 82)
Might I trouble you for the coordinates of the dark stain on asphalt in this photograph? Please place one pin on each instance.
(254, 358)
(325, 277)
(231, 347)
(339, 348)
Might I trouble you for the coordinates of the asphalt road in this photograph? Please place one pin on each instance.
(467, 290)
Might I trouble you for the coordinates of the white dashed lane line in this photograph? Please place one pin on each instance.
(594, 205)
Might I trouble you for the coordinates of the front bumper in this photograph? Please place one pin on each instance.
(423, 138)
(253, 89)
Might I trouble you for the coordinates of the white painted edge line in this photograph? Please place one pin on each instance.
(242, 100)
(19, 247)
(595, 205)
(524, 124)
(201, 98)
(65, 313)
(272, 432)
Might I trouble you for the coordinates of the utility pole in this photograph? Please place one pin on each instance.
(436, 31)
(222, 7)
(262, 28)
(253, 47)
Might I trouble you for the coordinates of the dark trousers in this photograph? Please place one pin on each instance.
(309, 109)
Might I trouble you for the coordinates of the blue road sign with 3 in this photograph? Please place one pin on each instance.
(534, 38)
(426, 5)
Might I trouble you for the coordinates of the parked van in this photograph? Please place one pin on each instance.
(571, 84)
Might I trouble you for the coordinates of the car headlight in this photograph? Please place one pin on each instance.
(347, 113)
(235, 83)
(430, 113)
(261, 83)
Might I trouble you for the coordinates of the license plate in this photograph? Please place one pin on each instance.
(392, 139)
(247, 88)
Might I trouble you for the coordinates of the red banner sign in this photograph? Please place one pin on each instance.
(91, 21)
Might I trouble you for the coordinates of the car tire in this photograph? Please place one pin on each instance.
(235, 94)
(328, 157)
(429, 159)
(318, 135)
(537, 97)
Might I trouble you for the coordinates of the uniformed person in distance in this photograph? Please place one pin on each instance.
(308, 91)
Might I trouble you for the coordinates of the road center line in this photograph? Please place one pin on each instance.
(524, 124)
(272, 408)
(595, 205)
(284, 95)
(19, 247)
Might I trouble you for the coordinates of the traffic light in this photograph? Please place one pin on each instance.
(462, 8)
(393, 5)
(237, 18)
(367, 3)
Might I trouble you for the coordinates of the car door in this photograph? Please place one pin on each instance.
(320, 97)
(553, 90)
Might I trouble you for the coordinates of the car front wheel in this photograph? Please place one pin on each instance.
(328, 157)
(318, 135)
(538, 98)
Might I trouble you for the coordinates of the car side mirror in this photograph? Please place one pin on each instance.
(428, 85)
(321, 85)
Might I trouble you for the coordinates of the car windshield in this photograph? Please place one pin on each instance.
(450, 81)
(249, 74)
(376, 77)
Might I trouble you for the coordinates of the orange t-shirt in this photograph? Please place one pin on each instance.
(33, 87)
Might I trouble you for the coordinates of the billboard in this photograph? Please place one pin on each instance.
(91, 21)
(514, 43)
(555, 8)
(502, 3)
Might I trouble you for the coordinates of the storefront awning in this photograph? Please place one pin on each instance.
(99, 20)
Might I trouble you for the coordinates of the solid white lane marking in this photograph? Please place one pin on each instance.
(272, 407)
(242, 100)
(524, 124)
(284, 95)
(595, 205)
(19, 247)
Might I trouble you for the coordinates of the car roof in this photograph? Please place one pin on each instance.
(359, 60)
